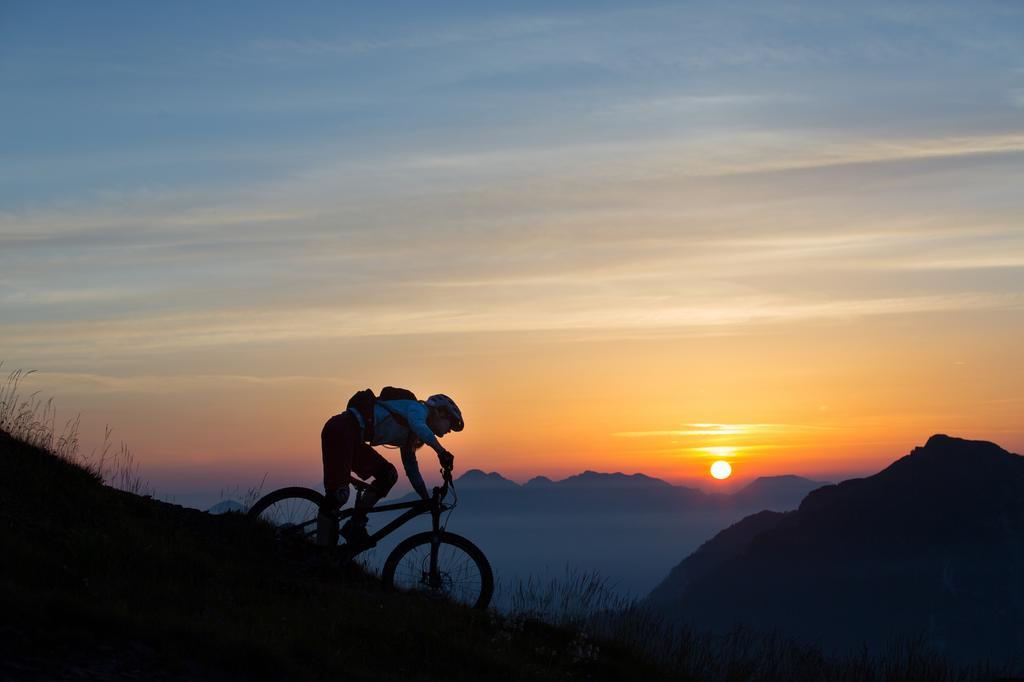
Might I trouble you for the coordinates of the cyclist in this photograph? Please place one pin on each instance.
(346, 442)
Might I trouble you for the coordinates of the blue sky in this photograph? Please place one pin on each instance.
(216, 189)
(212, 94)
(211, 129)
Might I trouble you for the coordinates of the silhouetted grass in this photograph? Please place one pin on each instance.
(247, 497)
(29, 418)
(584, 602)
(570, 601)
(32, 420)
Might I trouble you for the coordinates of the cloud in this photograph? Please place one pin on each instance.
(980, 262)
(414, 36)
(660, 106)
(725, 430)
(640, 238)
(163, 384)
(43, 297)
(154, 334)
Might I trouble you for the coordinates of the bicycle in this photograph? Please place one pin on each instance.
(435, 562)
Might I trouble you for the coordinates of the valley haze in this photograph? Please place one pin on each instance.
(628, 529)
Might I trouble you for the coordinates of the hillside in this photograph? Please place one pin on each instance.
(931, 547)
(96, 583)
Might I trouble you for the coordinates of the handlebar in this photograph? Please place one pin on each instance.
(441, 492)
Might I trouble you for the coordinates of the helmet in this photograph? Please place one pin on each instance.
(448, 406)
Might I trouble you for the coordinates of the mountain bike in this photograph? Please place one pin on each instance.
(435, 562)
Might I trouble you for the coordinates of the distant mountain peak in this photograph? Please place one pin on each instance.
(479, 473)
(479, 478)
(941, 439)
(225, 506)
(955, 461)
(780, 493)
(781, 481)
(940, 444)
(617, 478)
(782, 478)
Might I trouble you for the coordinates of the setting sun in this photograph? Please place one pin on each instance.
(721, 470)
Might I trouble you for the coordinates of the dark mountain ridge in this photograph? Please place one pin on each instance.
(614, 480)
(933, 546)
(479, 479)
(639, 492)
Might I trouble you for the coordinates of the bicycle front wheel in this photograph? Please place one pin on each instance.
(291, 511)
(442, 565)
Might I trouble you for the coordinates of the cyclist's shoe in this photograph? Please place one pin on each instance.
(355, 534)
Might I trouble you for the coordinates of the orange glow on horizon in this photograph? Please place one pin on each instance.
(546, 405)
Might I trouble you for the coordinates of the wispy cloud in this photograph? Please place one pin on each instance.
(172, 383)
(43, 297)
(980, 262)
(726, 430)
(415, 36)
(144, 334)
(613, 237)
(649, 202)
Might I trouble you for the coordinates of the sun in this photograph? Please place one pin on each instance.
(721, 469)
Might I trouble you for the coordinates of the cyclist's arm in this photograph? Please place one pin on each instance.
(412, 471)
(418, 423)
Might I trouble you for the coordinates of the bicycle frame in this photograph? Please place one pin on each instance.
(415, 509)
(423, 561)
(434, 506)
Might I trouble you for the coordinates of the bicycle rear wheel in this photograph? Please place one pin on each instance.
(442, 565)
(291, 511)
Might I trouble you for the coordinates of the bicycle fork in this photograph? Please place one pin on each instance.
(434, 577)
(435, 574)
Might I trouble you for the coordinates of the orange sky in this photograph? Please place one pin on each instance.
(618, 237)
(823, 400)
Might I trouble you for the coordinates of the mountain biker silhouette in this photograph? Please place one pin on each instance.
(393, 418)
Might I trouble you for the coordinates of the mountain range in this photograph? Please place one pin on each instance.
(932, 547)
(641, 493)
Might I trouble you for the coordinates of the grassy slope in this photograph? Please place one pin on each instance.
(101, 583)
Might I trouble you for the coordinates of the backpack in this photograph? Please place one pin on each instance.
(364, 401)
(393, 393)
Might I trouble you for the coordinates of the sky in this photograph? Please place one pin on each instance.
(629, 238)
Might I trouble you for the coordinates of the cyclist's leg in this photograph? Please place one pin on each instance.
(338, 441)
(367, 463)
